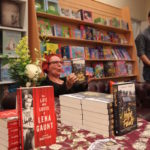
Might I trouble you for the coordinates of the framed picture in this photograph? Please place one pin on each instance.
(10, 14)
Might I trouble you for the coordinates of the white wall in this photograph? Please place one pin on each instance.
(138, 8)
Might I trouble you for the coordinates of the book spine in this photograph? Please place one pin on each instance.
(115, 97)
(19, 105)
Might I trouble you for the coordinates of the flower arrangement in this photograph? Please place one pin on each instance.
(22, 69)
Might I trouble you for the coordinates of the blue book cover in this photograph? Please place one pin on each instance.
(77, 52)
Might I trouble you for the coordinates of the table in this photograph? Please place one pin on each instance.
(69, 138)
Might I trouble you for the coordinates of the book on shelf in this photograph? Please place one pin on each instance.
(78, 67)
(37, 118)
(124, 107)
(75, 14)
(89, 33)
(44, 27)
(57, 30)
(98, 70)
(10, 40)
(86, 15)
(121, 69)
(10, 14)
(65, 31)
(109, 69)
(77, 52)
(52, 7)
(65, 12)
(40, 6)
(4, 70)
(52, 48)
(129, 67)
(89, 71)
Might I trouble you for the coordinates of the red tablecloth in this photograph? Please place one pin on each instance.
(69, 138)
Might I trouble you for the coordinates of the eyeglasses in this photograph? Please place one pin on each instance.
(55, 62)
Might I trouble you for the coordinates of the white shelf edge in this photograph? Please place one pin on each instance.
(13, 29)
(6, 82)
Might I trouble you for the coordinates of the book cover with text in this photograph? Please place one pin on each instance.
(36, 116)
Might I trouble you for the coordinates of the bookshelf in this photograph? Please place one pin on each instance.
(98, 9)
(21, 29)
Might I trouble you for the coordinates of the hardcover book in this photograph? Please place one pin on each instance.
(66, 12)
(78, 67)
(77, 52)
(124, 108)
(40, 5)
(36, 116)
(44, 27)
(67, 68)
(52, 7)
(52, 48)
(10, 14)
(4, 71)
(109, 69)
(10, 41)
(57, 30)
(86, 15)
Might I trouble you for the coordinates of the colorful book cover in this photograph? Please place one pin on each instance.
(98, 70)
(75, 14)
(57, 29)
(124, 108)
(89, 33)
(65, 12)
(65, 52)
(86, 15)
(44, 26)
(37, 118)
(87, 52)
(52, 7)
(65, 31)
(67, 68)
(77, 52)
(40, 5)
(129, 67)
(121, 69)
(4, 71)
(77, 34)
(89, 71)
(109, 69)
(78, 67)
(52, 48)
(10, 41)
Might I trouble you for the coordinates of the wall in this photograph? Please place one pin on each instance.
(137, 7)
(147, 8)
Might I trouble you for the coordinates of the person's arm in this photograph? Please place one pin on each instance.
(145, 59)
(141, 49)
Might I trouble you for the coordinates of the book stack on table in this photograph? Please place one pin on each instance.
(88, 110)
(9, 131)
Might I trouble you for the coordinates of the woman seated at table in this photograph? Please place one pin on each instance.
(53, 68)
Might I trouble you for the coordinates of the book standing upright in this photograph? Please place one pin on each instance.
(36, 116)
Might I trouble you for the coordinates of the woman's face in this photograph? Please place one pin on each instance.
(55, 66)
(28, 103)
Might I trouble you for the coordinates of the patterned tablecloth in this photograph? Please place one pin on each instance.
(69, 138)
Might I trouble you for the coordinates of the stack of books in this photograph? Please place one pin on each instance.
(88, 110)
(9, 131)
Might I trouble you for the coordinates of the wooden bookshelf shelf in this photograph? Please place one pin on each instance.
(6, 82)
(92, 60)
(114, 77)
(80, 22)
(12, 29)
(75, 41)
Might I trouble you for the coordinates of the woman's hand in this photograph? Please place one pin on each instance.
(71, 79)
